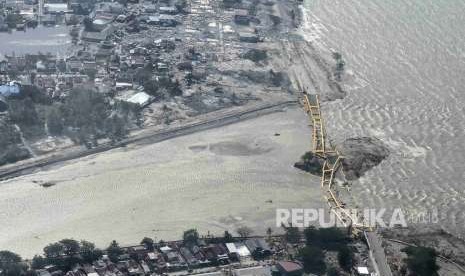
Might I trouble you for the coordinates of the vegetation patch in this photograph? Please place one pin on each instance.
(311, 163)
(421, 261)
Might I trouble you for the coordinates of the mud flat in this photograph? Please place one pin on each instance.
(203, 180)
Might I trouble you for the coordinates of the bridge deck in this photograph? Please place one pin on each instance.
(332, 163)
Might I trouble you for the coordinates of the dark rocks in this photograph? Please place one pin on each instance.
(48, 184)
(361, 154)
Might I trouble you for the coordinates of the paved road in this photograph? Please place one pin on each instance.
(377, 254)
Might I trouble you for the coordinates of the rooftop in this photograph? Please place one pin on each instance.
(289, 266)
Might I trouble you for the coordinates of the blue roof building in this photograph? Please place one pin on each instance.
(7, 90)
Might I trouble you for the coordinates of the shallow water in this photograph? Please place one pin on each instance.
(408, 60)
(54, 40)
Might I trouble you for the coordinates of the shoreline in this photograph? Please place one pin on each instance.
(32, 165)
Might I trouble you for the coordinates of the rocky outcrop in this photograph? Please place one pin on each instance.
(310, 163)
(361, 154)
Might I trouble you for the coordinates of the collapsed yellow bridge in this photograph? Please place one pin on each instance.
(349, 218)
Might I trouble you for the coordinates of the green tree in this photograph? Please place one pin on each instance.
(151, 87)
(345, 258)
(175, 89)
(115, 128)
(308, 156)
(54, 121)
(332, 235)
(9, 140)
(114, 251)
(148, 243)
(191, 237)
(23, 112)
(144, 74)
(37, 95)
(70, 246)
(10, 264)
(332, 272)
(292, 234)
(269, 232)
(255, 55)
(85, 111)
(54, 250)
(13, 19)
(31, 273)
(313, 259)
(421, 261)
(326, 238)
(227, 237)
(244, 231)
(311, 235)
(38, 262)
(89, 252)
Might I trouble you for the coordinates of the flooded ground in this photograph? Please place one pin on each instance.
(214, 180)
(54, 40)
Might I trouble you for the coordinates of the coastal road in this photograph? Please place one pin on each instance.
(377, 254)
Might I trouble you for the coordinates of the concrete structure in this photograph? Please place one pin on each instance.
(58, 8)
(168, 10)
(142, 99)
(100, 23)
(238, 248)
(98, 36)
(163, 20)
(362, 270)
